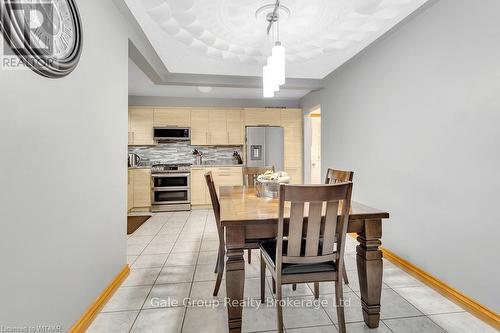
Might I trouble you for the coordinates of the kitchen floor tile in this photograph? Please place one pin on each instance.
(127, 298)
(462, 322)
(181, 247)
(413, 325)
(113, 322)
(258, 318)
(352, 307)
(205, 319)
(159, 321)
(204, 291)
(176, 274)
(428, 301)
(362, 328)
(150, 261)
(158, 248)
(315, 329)
(141, 277)
(205, 273)
(304, 312)
(208, 258)
(167, 295)
(395, 306)
(182, 259)
(397, 278)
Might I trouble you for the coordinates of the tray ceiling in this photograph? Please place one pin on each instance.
(228, 37)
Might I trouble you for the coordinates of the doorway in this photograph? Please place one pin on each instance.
(315, 118)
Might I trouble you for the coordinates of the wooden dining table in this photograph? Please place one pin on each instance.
(248, 218)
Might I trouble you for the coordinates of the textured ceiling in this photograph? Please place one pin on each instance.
(229, 36)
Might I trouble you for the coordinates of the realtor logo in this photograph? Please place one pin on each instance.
(27, 34)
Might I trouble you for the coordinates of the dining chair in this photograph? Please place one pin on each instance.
(250, 179)
(219, 266)
(334, 176)
(250, 174)
(317, 256)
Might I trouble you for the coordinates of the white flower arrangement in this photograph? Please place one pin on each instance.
(280, 177)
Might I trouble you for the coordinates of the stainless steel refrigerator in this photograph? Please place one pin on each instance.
(265, 147)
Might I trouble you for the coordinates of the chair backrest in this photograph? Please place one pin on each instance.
(338, 176)
(215, 203)
(319, 200)
(250, 174)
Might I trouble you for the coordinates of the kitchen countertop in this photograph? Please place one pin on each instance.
(194, 166)
(140, 167)
(215, 165)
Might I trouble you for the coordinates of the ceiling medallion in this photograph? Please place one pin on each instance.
(273, 73)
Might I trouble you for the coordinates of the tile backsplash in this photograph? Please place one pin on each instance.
(181, 152)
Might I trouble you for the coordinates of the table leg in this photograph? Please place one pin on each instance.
(235, 276)
(370, 269)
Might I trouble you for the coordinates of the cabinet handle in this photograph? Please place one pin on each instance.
(224, 175)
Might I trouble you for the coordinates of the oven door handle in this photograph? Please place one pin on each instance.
(171, 188)
(170, 175)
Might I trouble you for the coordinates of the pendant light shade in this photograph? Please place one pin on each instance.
(267, 81)
(273, 73)
(278, 56)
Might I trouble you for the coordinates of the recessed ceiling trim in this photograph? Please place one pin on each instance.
(235, 81)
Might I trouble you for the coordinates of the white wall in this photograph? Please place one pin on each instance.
(63, 146)
(417, 118)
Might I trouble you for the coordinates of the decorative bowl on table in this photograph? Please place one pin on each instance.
(268, 184)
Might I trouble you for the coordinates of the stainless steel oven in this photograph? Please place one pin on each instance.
(171, 187)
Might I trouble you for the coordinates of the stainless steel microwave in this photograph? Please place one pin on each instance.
(172, 133)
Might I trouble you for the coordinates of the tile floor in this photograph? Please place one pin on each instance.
(172, 257)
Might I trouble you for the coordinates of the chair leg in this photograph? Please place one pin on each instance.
(316, 290)
(339, 300)
(344, 273)
(217, 283)
(294, 287)
(279, 309)
(219, 269)
(274, 286)
(262, 280)
(217, 262)
(249, 256)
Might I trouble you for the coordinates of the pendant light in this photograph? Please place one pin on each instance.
(273, 73)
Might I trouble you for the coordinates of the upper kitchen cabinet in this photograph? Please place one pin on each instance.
(177, 117)
(216, 127)
(140, 131)
(269, 117)
(234, 127)
(199, 127)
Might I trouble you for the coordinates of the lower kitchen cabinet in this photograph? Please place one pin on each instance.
(223, 176)
(198, 186)
(139, 189)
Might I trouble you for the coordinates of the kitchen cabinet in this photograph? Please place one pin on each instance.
(292, 121)
(223, 176)
(270, 117)
(235, 135)
(198, 186)
(180, 117)
(216, 127)
(199, 127)
(140, 130)
(139, 189)
(130, 192)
